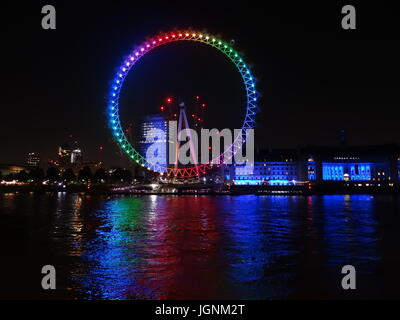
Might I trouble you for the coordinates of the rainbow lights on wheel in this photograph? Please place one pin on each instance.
(150, 45)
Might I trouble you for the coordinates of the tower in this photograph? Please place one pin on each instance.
(183, 120)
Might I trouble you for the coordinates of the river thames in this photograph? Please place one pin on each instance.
(199, 247)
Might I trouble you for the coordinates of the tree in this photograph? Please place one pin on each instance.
(69, 175)
(22, 176)
(100, 175)
(10, 177)
(122, 175)
(53, 174)
(36, 174)
(85, 175)
(127, 177)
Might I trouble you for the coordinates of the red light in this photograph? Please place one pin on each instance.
(162, 108)
(169, 100)
(203, 105)
(197, 97)
(101, 148)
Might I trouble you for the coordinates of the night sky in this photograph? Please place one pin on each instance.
(314, 78)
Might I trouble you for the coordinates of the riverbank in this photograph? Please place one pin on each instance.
(317, 189)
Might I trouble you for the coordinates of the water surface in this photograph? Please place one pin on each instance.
(199, 247)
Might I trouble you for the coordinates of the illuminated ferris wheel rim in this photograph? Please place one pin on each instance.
(148, 46)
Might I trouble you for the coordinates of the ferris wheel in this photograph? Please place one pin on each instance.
(120, 135)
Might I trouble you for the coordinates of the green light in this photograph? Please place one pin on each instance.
(217, 43)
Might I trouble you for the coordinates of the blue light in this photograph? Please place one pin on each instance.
(352, 171)
(128, 63)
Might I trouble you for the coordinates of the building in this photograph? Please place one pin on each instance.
(375, 164)
(152, 141)
(69, 157)
(272, 167)
(398, 169)
(11, 169)
(33, 159)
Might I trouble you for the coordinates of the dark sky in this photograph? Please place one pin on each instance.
(313, 77)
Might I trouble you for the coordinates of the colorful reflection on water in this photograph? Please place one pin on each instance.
(205, 247)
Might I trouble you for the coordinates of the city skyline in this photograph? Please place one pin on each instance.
(312, 81)
(214, 154)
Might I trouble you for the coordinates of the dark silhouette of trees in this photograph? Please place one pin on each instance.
(121, 175)
(69, 175)
(36, 174)
(10, 177)
(85, 175)
(53, 174)
(22, 176)
(100, 176)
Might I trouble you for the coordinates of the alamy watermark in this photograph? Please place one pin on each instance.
(49, 18)
(49, 280)
(208, 146)
(349, 20)
(349, 280)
